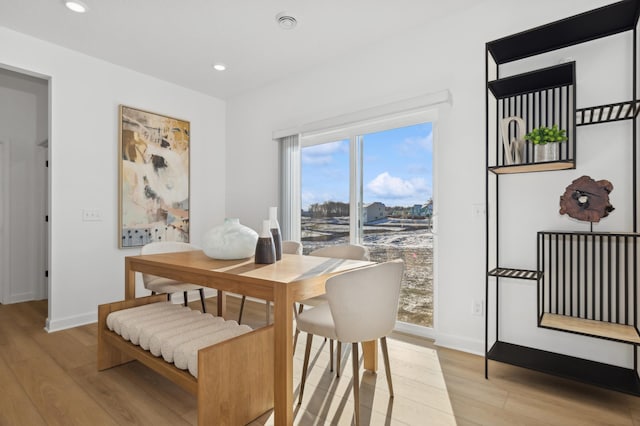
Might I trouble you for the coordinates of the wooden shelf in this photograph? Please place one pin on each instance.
(523, 274)
(607, 113)
(595, 373)
(602, 22)
(601, 329)
(534, 167)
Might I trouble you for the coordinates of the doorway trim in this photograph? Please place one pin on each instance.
(4, 215)
(5, 264)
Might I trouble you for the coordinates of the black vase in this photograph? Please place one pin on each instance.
(275, 231)
(265, 248)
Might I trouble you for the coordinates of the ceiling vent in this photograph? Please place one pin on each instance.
(286, 22)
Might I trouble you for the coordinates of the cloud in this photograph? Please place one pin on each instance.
(322, 154)
(410, 145)
(387, 186)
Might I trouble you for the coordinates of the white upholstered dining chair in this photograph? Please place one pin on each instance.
(165, 285)
(288, 247)
(339, 251)
(376, 288)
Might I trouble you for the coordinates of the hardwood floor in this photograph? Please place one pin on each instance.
(52, 379)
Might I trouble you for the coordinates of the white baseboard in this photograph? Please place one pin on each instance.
(21, 297)
(458, 343)
(70, 322)
(415, 330)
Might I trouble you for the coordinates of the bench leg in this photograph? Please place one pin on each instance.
(239, 386)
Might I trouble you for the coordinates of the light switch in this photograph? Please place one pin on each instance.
(91, 215)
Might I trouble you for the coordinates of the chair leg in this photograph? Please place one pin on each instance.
(204, 309)
(168, 297)
(356, 382)
(305, 365)
(338, 356)
(385, 355)
(331, 355)
(184, 293)
(241, 309)
(295, 336)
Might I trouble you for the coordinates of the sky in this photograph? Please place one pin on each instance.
(397, 170)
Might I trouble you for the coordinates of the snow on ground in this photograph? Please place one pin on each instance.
(413, 242)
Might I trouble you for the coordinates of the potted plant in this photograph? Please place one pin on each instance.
(544, 140)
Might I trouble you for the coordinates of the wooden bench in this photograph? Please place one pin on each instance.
(235, 377)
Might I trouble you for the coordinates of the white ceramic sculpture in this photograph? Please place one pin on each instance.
(231, 240)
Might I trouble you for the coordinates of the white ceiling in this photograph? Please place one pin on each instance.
(180, 40)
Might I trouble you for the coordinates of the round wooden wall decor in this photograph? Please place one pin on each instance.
(588, 200)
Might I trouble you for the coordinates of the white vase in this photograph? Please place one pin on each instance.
(546, 152)
(231, 240)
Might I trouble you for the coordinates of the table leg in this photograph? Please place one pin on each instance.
(370, 353)
(283, 365)
(129, 280)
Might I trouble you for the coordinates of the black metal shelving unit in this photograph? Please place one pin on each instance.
(588, 283)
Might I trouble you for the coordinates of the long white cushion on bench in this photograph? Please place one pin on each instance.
(115, 319)
(170, 344)
(146, 323)
(155, 342)
(167, 324)
(173, 331)
(190, 350)
(183, 352)
(131, 328)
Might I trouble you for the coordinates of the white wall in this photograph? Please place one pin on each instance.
(23, 126)
(86, 267)
(448, 54)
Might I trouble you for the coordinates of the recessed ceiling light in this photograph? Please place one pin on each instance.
(285, 21)
(76, 6)
(219, 67)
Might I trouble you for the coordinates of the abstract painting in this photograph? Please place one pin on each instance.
(153, 179)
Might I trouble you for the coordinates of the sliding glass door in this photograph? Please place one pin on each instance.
(375, 189)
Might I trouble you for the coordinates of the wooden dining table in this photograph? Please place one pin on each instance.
(292, 279)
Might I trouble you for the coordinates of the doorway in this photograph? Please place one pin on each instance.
(24, 128)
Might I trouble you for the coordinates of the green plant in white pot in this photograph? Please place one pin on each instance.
(545, 140)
